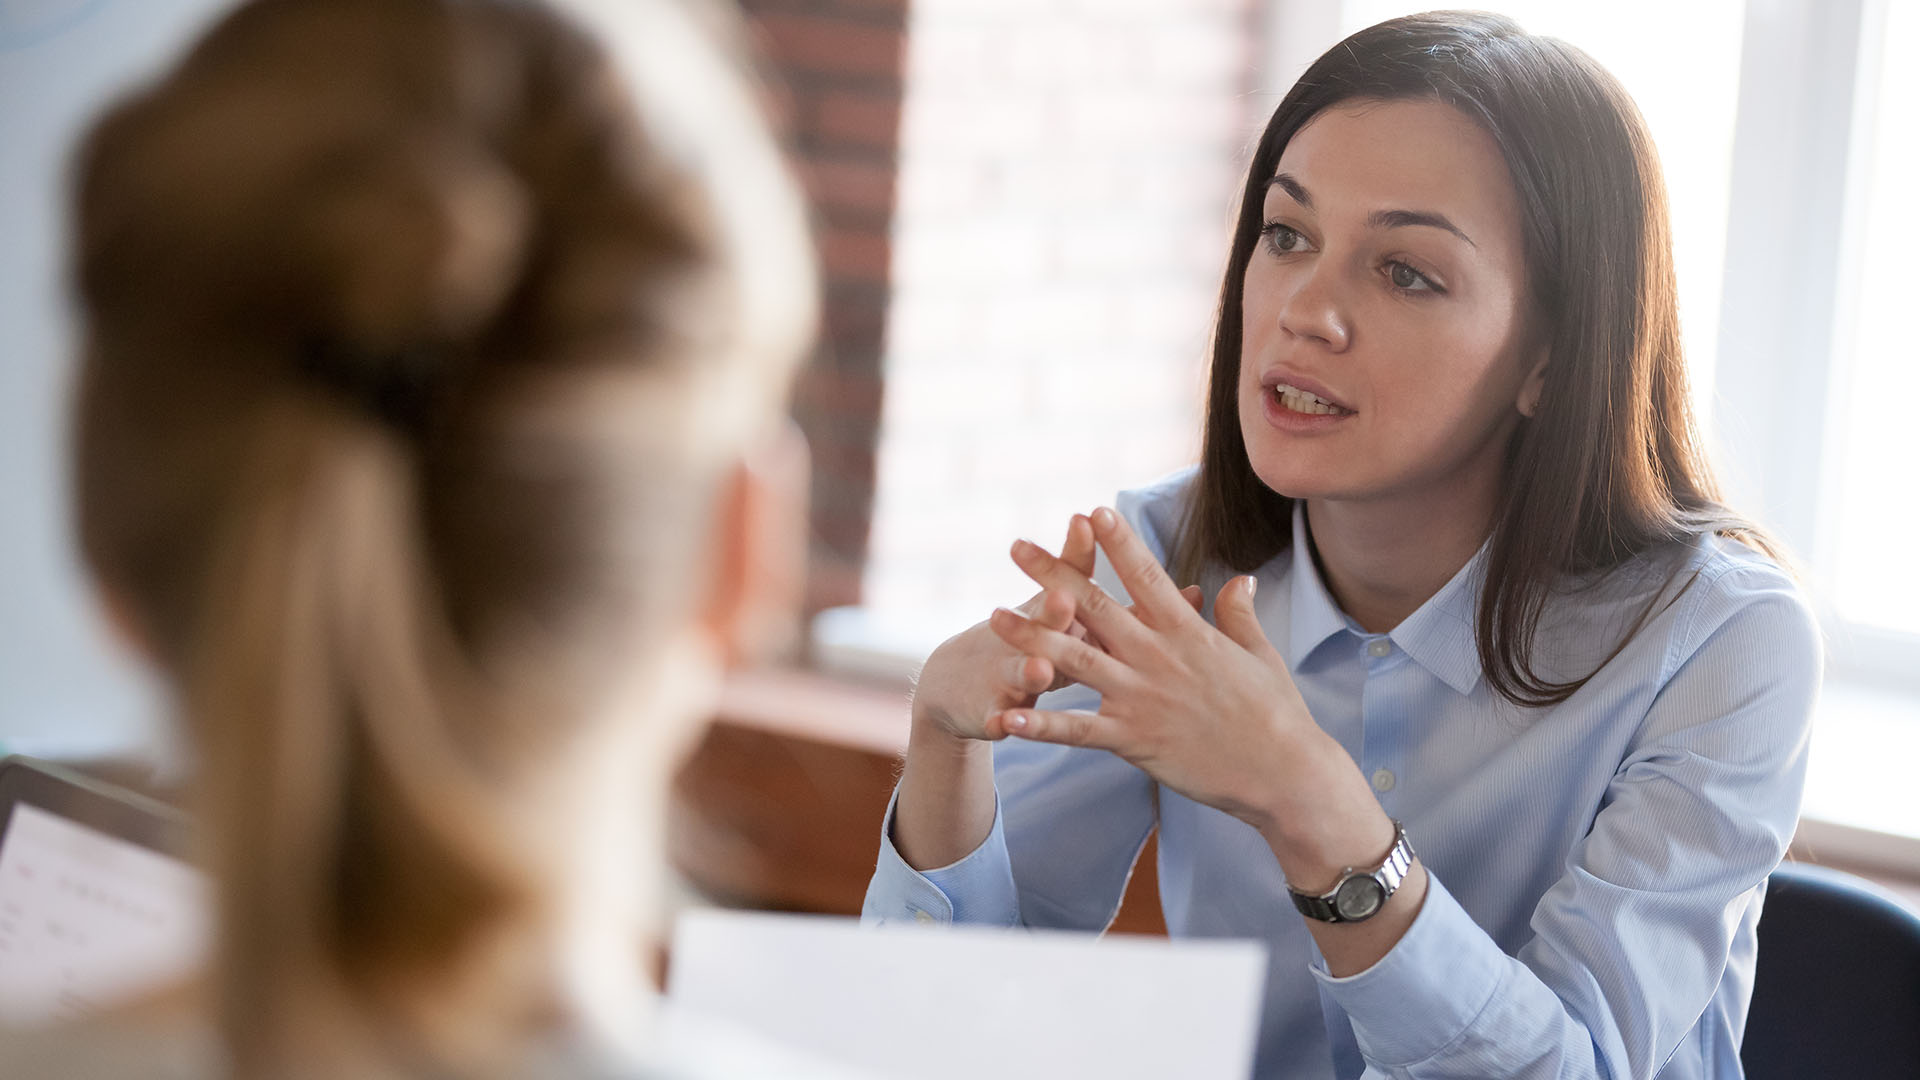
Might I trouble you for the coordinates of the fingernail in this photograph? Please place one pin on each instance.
(1252, 584)
(1015, 721)
(1103, 517)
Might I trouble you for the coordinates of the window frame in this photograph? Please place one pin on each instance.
(1802, 145)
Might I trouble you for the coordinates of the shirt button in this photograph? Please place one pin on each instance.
(1383, 780)
(922, 917)
(1379, 647)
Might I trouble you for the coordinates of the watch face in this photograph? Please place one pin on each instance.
(1358, 897)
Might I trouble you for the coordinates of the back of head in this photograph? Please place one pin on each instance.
(419, 335)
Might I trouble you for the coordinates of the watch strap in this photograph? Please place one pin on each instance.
(1389, 874)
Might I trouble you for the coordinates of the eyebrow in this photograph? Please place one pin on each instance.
(1379, 219)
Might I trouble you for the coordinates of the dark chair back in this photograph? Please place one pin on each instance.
(1836, 991)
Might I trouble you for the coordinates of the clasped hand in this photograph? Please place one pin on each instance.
(1210, 712)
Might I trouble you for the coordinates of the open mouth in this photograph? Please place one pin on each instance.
(1294, 399)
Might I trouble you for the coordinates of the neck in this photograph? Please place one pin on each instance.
(609, 910)
(598, 812)
(1382, 559)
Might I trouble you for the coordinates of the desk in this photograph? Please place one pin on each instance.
(780, 805)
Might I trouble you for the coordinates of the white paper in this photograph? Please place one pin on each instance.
(946, 1003)
(88, 919)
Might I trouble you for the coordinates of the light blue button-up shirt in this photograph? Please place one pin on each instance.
(1596, 868)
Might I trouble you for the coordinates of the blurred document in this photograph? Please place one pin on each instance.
(946, 1003)
(88, 919)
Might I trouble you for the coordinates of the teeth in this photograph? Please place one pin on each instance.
(1301, 401)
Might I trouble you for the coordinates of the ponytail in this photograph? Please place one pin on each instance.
(356, 852)
(406, 382)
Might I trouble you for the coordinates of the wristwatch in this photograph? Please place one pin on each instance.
(1360, 893)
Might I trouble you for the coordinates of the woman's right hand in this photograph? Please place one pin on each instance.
(974, 676)
(946, 800)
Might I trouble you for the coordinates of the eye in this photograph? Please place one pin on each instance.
(1407, 279)
(1283, 239)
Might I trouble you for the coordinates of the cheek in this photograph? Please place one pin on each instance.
(1252, 424)
(1258, 326)
(1257, 322)
(1453, 382)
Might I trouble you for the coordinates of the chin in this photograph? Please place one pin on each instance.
(1293, 471)
(1295, 483)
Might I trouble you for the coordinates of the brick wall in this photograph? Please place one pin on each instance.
(1022, 207)
(1067, 172)
(837, 68)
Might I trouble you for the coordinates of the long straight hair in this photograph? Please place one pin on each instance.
(1610, 465)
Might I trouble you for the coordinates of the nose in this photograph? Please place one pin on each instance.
(1313, 310)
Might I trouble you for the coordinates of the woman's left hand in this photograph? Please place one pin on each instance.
(1211, 713)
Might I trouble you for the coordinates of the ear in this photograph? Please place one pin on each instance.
(1531, 387)
(759, 568)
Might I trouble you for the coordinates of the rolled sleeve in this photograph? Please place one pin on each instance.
(976, 889)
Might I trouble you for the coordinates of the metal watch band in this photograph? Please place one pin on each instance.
(1383, 879)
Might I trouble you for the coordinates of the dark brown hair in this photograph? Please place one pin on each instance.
(1610, 466)
(418, 337)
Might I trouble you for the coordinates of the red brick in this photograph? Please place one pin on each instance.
(855, 254)
(833, 580)
(842, 496)
(843, 458)
(825, 391)
(815, 49)
(862, 121)
(882, 12)
(843, 528)
(839, 431)
(848, 356)
(828, 46)
(838, 184)
(854, 325)
(886, 12)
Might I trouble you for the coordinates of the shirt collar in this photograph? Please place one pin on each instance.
(1314, 617)
(1439, 635)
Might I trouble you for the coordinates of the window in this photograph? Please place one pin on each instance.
(1811, 416)
(1821, 410)
(1875, 571)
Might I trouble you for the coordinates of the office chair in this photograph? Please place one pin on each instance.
(1836, 989)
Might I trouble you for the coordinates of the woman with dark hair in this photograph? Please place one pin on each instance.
(1502, 619)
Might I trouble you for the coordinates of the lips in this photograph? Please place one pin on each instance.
(1300, 394)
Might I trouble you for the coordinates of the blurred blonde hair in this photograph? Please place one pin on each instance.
(418, 336)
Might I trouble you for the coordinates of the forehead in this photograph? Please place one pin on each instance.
(1361, 156)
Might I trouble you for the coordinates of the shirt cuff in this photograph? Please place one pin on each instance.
(1427, 990)
(976, 889)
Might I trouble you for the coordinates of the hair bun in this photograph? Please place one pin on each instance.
(416, 246)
